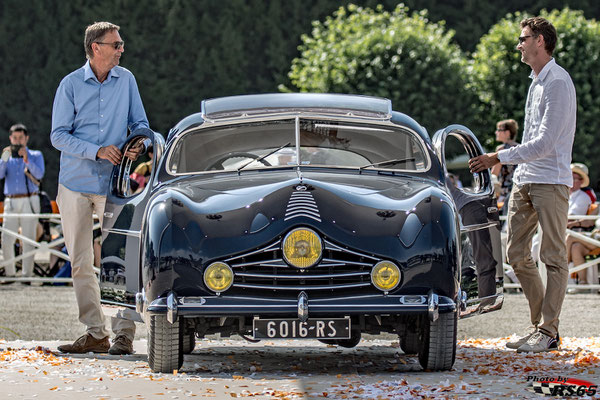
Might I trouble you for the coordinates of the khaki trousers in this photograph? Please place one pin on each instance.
(77, 211)
(19, 205)
(548, 205)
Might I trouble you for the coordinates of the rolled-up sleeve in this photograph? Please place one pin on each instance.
(554, 119)
(63, 117)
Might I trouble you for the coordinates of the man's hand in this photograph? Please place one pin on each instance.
(134, 152)
(6, 153)
(110, 153)
(23, 153)
(483, 162)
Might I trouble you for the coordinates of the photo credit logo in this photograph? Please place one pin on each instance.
(560, 386)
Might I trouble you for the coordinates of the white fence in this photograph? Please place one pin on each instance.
(41, 250)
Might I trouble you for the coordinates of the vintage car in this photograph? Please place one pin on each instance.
(297, 216)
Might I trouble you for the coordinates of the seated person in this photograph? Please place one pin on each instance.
(579, 204)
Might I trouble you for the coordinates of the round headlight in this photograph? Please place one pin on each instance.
(218, 277)
(385, 275)
(302, 248)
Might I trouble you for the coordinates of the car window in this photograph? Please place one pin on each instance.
(268, 144)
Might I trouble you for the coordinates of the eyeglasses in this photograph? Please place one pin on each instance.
(522, 39)
(117, 45)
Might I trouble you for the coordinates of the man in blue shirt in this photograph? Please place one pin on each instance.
(22, 169)
(94, 107)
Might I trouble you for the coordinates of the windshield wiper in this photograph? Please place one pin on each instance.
(387, 162)
(263, 157)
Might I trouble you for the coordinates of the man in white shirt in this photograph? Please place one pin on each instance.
(541, 184)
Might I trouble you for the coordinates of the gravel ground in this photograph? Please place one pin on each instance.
(50, 313)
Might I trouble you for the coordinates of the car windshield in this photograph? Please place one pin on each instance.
(321, 143)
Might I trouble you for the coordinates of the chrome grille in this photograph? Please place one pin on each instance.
(302, 204)
(339, 270)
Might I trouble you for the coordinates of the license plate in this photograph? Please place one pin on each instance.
(332, 328)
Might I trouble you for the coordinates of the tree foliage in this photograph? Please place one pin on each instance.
(502, 80)
(182, 51)
(397, 55)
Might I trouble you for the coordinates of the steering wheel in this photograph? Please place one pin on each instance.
(217, 165)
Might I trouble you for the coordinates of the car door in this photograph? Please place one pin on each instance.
(123, 219)
(482, 274)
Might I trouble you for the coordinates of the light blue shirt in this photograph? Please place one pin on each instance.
(13, 173)
(88, 115)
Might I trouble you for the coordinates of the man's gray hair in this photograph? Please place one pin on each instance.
(96, 32)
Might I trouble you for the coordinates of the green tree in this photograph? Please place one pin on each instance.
(502, 80)
(403, 57)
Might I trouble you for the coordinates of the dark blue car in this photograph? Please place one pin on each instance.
(304, 216)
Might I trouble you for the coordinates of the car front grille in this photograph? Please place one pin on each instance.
(340, 271)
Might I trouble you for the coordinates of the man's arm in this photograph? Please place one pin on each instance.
(554, 121)
(63, 117)
(35, 164)
(137, 114)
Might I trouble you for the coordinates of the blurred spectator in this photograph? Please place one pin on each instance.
(506, 132)
(22, 169)
(580, 203)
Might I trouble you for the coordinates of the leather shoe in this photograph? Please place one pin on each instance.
(86, 344)
(121, 346)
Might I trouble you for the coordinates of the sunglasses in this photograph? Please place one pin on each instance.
(116, 45)
(522, 39)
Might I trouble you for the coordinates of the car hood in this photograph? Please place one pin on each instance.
(257, 208)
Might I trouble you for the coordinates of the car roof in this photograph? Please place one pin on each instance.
(245, 106)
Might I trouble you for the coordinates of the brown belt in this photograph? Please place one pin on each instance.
(19, 196)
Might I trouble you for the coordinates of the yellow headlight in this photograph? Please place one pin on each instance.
(302, 248)
(218, 277)
(385, 275)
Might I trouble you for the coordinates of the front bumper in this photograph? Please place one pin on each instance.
(218, 306)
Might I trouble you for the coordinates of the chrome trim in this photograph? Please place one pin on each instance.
(433, 306)
(303, 215)
(171, 308)
(476, 227)
(320, 287)
(335, 262)
(297, 138)
(322, 276)
(412, 299)
(125, 232)
(321, 115)
(268, 263)
(274, 246)
(303, 306)
(108, 214)
(331, 246)
(140, 299)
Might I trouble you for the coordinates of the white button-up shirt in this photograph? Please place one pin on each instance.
(549, 130)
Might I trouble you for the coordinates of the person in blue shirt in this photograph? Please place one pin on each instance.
(22, 169)
(94, 108)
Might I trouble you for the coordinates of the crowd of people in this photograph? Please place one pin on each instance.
(97, 105)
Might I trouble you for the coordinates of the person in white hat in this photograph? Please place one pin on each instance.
(579, 201)
(579, 204)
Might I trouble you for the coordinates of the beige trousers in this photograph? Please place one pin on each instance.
(77, 211)
(548, 205)
(20, 205)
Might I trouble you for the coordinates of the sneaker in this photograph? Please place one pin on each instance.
(121, 346)
(515, 344)
(86, 344)
(539, 342)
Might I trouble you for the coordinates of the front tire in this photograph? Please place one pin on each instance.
(165, 344)
(438, 350)
(189, 343)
